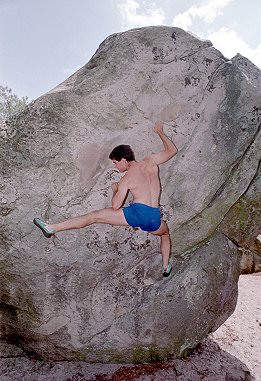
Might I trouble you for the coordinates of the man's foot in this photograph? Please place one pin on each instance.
(43, 226)
(167, 271)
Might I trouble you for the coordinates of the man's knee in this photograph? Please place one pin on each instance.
(100, 216)
(166, 228)
(165, 233)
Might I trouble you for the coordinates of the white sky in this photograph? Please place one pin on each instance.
(42, 42)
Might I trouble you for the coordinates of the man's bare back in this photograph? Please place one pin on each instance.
(142, 180)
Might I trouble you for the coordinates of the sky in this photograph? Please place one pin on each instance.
(43, 42)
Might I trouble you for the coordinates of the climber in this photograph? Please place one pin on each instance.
(142, 181)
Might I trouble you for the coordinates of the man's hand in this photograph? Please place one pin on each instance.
(114, 187)
(158, 128)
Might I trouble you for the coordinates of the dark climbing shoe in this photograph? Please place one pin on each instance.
(166, 272)
(43, 226)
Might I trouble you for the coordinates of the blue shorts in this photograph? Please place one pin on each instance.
(143, 216)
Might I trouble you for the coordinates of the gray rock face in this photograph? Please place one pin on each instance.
(98, 294)
(242, 224)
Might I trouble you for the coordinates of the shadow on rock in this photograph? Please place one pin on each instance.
(208, 362)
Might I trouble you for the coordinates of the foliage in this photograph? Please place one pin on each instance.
(10, 104)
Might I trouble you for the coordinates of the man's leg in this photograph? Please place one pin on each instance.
(165, 243)
(103, 216)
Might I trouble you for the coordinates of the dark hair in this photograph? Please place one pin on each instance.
(122, 152)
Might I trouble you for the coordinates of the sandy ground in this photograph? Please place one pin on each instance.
(232, 353)
(240, 335)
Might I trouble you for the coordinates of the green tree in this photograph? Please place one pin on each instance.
(10, 103)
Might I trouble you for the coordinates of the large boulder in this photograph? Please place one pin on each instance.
(98, 294)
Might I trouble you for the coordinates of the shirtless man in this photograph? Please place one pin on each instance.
(142, 180)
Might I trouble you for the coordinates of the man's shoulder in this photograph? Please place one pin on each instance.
(149, 160)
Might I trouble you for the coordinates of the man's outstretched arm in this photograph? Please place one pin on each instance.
(170, 149)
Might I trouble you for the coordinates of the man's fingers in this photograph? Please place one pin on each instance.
(158, 127)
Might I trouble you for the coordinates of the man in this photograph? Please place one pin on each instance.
(142, 181)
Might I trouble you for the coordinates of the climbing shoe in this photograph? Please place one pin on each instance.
(166, 272)
(43, 226)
